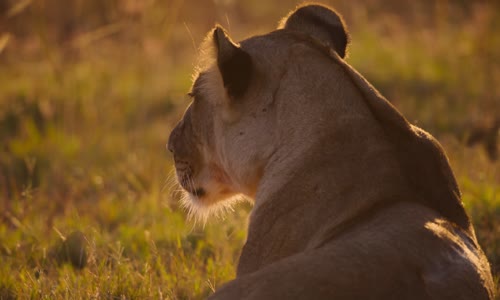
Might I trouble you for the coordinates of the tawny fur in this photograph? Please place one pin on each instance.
(351, 201)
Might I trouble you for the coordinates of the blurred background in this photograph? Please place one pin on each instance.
(90, 89)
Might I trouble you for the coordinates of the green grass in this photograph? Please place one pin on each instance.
(83, 165)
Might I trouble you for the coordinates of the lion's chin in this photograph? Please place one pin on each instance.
(201, 203)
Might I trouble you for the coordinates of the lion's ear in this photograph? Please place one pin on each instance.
(234, 63)
(321, 23)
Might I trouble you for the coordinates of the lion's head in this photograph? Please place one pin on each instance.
(228, 133)
(224, 139)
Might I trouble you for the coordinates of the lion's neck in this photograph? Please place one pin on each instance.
(309, 190)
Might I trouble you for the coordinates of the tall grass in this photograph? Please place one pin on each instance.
(89, 91)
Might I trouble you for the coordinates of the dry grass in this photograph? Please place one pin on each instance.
(89, 91)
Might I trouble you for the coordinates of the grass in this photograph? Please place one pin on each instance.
(83, 126)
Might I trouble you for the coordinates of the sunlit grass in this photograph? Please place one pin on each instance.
(83, 135)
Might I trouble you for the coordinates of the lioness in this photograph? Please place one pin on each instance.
(351, 200)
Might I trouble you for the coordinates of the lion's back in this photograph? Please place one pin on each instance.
(412, 252)
(406, 251)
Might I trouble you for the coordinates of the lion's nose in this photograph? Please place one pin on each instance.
(172, 139)
(170, 146)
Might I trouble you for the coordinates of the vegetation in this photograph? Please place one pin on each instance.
(89, 91)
